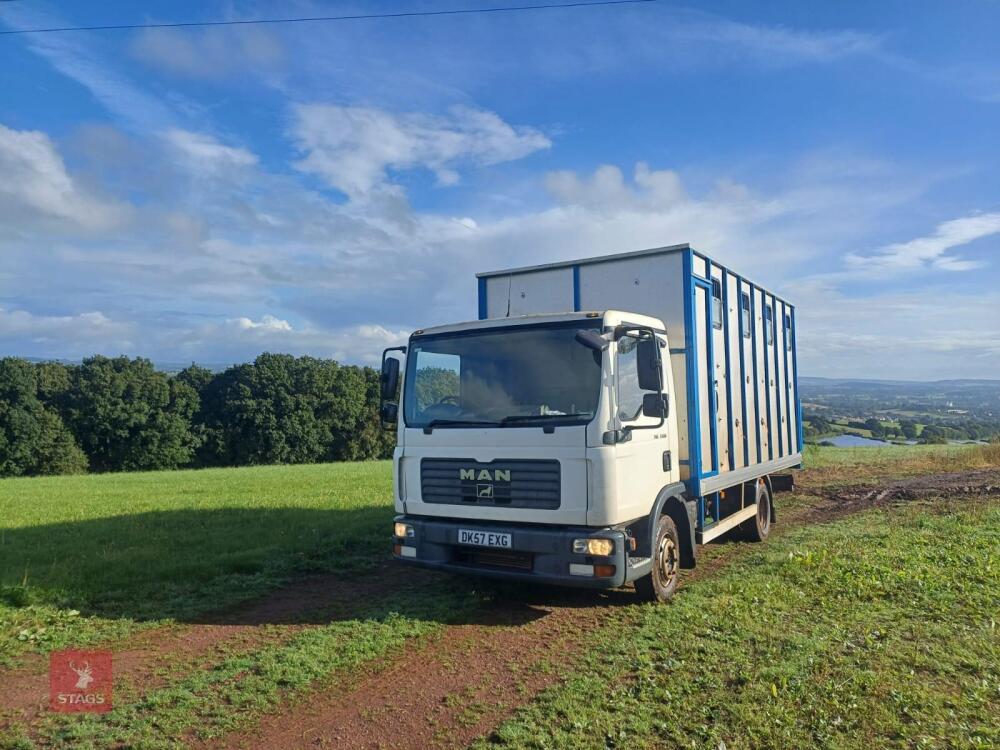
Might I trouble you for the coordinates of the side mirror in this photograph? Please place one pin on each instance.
(648, 364)
(389, 413)
(390, 378)
(592, 340)
(655, 405)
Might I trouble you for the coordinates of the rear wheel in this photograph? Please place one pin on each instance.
(757, 528)
(661, 583)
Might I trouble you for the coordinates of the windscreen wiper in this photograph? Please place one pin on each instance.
(540, 417)
(429, 427)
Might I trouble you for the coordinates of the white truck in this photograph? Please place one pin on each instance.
(600, 420)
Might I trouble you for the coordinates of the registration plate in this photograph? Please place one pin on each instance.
(484, 538)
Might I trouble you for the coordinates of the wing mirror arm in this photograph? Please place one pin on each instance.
(388, 386)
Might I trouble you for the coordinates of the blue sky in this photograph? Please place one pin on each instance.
(324, 188)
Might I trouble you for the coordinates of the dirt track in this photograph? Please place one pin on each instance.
(187, 648)
(486, 669)
(454, 688)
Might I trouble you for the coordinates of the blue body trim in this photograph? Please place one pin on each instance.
(690, 344)
(482, 298)
(798, 401)
(713, 406)
(767, 374)
(786, 345)
(729, 358)
(576, 288)
(756, 381)
(743, 372)
(779, 387)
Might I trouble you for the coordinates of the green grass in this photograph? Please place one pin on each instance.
(880, 630)
(96, 557)
(900, 459)
(882, 625)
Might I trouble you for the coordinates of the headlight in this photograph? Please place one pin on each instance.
(404, 530)
(603, 547)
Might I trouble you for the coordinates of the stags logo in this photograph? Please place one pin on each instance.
(86, 675)
(80, 681)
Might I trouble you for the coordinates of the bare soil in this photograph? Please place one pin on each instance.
(842, 501)
(447, 692)
(153, 657)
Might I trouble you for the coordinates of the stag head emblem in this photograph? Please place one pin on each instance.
(85, 675)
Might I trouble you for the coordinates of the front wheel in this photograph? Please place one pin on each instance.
(661, 582)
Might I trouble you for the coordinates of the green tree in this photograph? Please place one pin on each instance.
(371, 440)
(57, 451)
(33, 439)
(129, 417)
(54, 382)
(909, 428)
(199, 379)
(283, 409)
(196, 376)
(875, 426)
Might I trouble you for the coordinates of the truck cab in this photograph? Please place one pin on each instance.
(523, 446)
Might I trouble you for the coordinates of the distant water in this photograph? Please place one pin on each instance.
(854, 441)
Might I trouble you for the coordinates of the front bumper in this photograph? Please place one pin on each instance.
(543, 554)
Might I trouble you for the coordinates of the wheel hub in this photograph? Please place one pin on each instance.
(667, 559)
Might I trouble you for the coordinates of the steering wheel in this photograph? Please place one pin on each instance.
(453, 400)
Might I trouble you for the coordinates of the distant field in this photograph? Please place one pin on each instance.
(128, 548)
(909, 458)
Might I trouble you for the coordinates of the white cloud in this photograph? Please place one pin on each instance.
(917, 333)
(353, 148)
(267, 324)
(209, 54)
(205, 153)
(34, 178)
(774, 45)
(607, 190)
(72, 335)
(219, 272)
(931, 251)
(240, 339)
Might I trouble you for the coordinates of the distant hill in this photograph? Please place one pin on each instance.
(805, 380)
(938, 401)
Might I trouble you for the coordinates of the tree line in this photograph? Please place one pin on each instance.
(121, 414)
(907, 429)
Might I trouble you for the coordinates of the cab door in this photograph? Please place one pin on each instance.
(645, 449)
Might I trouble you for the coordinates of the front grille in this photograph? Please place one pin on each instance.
(495, 559)
(509, 484)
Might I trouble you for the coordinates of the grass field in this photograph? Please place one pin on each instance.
(98, 556)
(879, 629)
(870, 632)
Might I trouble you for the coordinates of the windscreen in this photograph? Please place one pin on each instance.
(516, 376)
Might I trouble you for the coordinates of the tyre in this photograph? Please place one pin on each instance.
(661, 583)
(757, 528)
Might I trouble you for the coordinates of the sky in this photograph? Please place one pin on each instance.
(206, 194)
